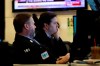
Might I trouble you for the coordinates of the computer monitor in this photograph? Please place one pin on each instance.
(47, 5)
(94, 4)
(83, 27)
(74, 25)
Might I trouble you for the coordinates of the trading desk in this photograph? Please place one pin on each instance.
(72, 64)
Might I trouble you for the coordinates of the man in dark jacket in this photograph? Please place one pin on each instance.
(26, 49)
(48, 36)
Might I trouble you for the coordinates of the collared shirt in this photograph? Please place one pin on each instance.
(48, 34)
(32, 39)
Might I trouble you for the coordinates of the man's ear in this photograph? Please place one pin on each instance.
(26, 26)
(46, 25)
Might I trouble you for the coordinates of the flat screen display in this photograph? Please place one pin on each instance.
(40, 5)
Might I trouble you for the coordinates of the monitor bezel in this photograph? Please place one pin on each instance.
(47, 9)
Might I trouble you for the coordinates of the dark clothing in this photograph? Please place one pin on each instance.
(27, 51)
(56, 47)
(80, 48)
(5, 54)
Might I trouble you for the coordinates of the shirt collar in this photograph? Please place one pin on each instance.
(48, 34)
(28, 37)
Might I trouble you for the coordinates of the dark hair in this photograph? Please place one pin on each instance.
(46, 18)
(19, 21)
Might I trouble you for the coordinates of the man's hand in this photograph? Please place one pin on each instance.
(63, 59)
(56, 35)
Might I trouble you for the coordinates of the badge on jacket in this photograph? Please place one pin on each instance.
(27, 50)
(44, 55)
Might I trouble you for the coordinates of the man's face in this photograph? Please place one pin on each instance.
(53, 26)
(31, 27)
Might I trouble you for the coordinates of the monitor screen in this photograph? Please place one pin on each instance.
(40, 5)
(74, 24)
(92, 5)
